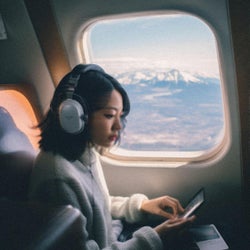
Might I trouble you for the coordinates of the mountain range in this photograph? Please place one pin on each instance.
(167, 76)
(172, 110)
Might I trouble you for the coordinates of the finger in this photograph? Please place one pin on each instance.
(181, 222)
(192, 218)
(178, 205)
(166, 214)
(173, 204)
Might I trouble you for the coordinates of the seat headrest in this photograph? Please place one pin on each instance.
(11, 138)
(16, 159)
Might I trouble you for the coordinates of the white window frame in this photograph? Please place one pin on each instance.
(164, 158)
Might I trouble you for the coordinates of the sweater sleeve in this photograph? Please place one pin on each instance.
(145, 238)
(55, 191)
(127, 208)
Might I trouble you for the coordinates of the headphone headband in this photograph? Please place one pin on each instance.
(72, 113)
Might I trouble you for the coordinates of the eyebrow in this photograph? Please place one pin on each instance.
(114, 108)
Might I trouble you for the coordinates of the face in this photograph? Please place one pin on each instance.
(105, 123)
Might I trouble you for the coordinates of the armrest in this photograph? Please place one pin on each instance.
(26, 225)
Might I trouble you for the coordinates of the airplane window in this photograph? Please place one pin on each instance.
(169, 66)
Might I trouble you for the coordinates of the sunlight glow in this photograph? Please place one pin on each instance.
(22, 113)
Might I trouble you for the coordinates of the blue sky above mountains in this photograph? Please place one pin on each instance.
(167, 41)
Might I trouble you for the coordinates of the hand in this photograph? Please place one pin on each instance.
(159, 206)
(170, 229)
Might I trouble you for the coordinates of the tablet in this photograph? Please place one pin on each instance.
(194, 204)
(207, 237)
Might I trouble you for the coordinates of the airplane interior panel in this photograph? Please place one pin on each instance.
(41, 41)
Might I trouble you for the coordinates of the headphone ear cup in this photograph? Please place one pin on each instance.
(71, 116)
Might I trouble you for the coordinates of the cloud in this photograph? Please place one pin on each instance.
(208, 67)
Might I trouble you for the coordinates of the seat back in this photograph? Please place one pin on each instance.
(16, 159)
(37, 226)
(32, 225)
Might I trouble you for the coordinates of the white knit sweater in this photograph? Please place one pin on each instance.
(81, 184)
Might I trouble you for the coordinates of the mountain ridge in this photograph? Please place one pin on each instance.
(173, 76)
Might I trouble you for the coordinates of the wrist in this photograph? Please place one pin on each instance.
(141, 207)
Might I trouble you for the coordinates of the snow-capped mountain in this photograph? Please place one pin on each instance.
(161, 76)
(172, 110)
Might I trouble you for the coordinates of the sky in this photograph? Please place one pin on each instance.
(175, 41)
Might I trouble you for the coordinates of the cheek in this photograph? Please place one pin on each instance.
(99, 136)
(98, 129)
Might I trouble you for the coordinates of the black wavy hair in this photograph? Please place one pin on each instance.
(94, 89)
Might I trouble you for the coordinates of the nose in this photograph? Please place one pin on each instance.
(117, 124)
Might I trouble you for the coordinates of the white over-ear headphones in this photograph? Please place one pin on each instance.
(72, 113)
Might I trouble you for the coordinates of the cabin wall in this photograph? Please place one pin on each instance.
(24, 61)
(240, 23)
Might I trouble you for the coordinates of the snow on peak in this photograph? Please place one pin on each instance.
(168, 75)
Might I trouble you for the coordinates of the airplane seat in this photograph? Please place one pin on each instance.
(36, 226)
(32, 225)
(16, 159)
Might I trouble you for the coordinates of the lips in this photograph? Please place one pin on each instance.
(113, 137)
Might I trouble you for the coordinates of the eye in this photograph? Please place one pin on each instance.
(109, 116)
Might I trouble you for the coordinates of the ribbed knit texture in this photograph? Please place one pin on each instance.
(81, 184)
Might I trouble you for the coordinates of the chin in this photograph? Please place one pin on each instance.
(106, 145)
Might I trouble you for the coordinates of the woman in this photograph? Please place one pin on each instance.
(88, 110)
